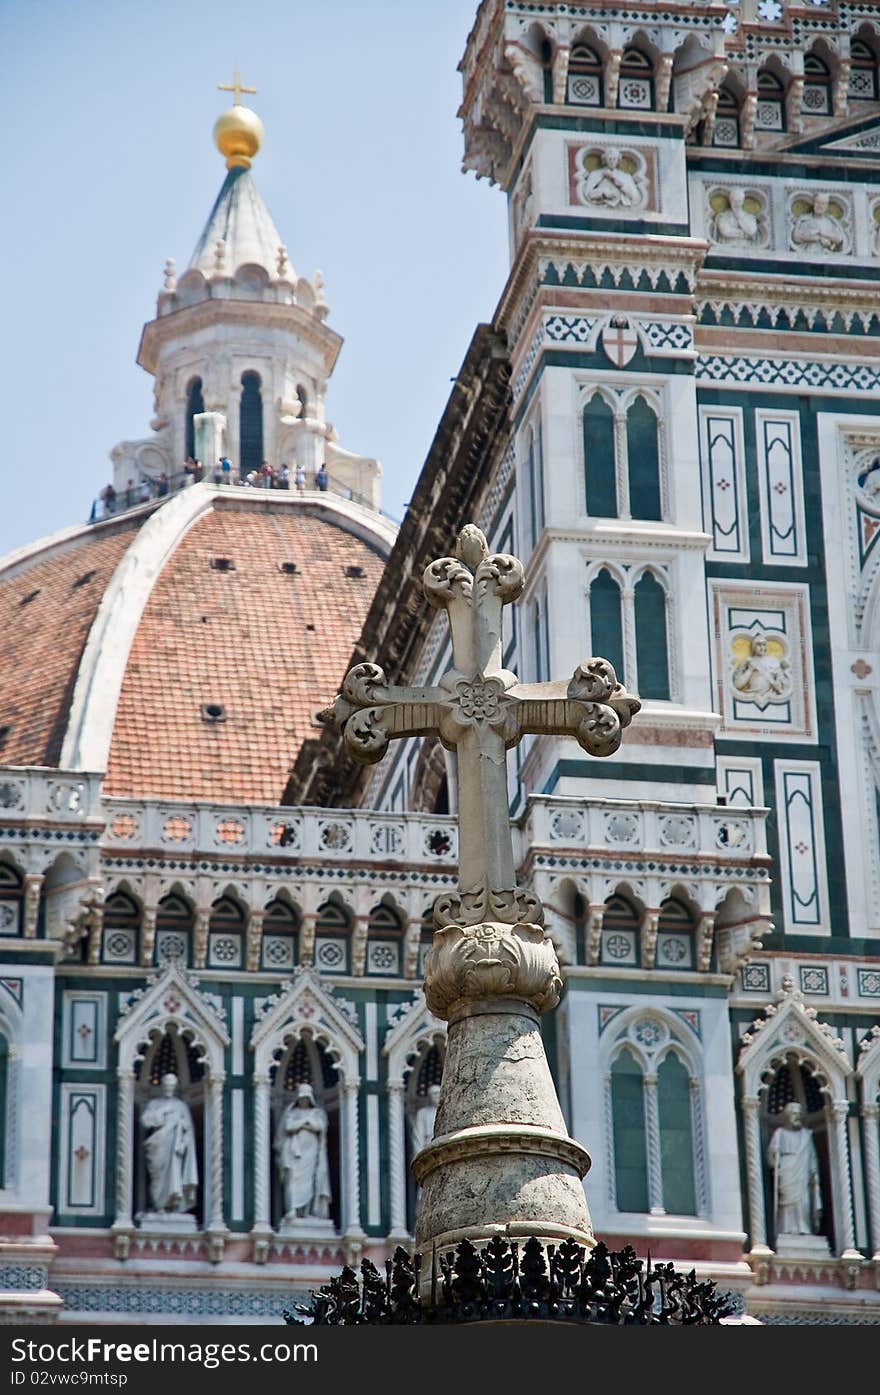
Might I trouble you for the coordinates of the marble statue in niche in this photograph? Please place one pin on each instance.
(170, 1150)
(613, 180)
(762, 675)
(301, 1151)
(797, 1196)
(421, 1126)
(735, 218)
(817, 225)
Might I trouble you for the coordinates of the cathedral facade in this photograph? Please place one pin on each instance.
(215, 1059)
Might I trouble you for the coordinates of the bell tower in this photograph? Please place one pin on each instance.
(582, 116)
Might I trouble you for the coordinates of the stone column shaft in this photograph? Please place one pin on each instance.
(754, 1174)
(843, 1216)
(351, 1190)
(215, 1190)
(397, 1158)
(262, 1166)
(871, 1135)
(124, 1112)
(652, 1138)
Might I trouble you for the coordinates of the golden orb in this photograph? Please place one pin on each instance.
(238, 134)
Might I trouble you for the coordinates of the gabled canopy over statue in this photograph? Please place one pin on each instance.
(501, 1159)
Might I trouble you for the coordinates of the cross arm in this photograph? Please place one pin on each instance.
(593, 708)
(371, 712)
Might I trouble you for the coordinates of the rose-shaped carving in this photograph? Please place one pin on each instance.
(480, 699)
(491, 960)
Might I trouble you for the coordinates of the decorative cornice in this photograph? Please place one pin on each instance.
(207, 314)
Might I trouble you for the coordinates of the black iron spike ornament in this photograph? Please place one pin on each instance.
(510, 1280)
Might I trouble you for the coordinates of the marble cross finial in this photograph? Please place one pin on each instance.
(479, 709)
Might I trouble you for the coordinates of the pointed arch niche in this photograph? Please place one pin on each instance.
(655, 1131)
(789, 1055)
(415, 1049)
(173, 1026)
(307, 1034)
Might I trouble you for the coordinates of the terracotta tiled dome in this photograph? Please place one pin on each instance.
(185, 649)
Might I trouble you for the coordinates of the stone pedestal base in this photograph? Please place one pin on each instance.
(802, 1246)
(310, 1227)
(168, 1222)
(501, 1161)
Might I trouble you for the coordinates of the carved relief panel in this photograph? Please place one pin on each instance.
(763, 661)
(612, 179)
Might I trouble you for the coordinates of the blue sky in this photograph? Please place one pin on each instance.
(110, 169)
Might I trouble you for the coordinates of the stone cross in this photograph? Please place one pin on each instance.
(500, 1161)
(480, 709)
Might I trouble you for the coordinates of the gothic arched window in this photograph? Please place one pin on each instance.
(540, 640)
(606, 620)
(280, 929)
(676, 1136)
(384, 941)
(599, 458)
(770, 113)
(675, 935)
(585, 77)
(652, 658)
(195, 403)
(863, 86)
(643, 461)
(630, 1150)
(636, 85)
(726, 129)
(122, 918)
(226, 934)
(620, 931)
(332, 938)
(11, 896)
(547, 68)
(250, 430)
(534, 483)
(816, 99)
(174, 920)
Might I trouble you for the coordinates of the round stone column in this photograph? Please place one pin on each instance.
(501, 1160)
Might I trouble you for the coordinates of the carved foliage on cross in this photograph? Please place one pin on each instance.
(480, 709)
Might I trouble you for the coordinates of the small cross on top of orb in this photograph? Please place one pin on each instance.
(236, 87)
(479, 710)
